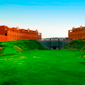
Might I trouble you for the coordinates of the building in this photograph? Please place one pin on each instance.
(77, 33)
(10, 34)
(55, 43)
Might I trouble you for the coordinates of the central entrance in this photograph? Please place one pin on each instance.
(54, 47)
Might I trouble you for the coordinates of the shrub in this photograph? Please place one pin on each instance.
(18, 49)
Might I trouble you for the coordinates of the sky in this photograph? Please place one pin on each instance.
(52, 18)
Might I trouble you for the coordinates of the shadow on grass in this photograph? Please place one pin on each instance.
(14, 81)
(82, 63)
(9, 54)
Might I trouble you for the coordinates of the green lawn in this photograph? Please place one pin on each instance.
(43, 67)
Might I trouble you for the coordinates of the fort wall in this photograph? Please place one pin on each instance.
(77, 33)
(18, 34)
(3, 38)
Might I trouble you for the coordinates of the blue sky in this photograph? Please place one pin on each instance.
(50, 17)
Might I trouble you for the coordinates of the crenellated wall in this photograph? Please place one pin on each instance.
(19, 34)
(77, 33)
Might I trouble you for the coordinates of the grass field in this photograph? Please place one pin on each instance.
(43, 67)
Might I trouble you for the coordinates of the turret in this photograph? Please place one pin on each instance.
(36, 31)
(80, 27)
(73, 28)
(17, 28)
(28, 30)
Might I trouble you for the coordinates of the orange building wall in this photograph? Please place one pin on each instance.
(77, 33)
(3, 38)
(19, 34)
(2, 30)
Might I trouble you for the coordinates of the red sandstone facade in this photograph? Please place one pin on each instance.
(10, 34)
(77, 33)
